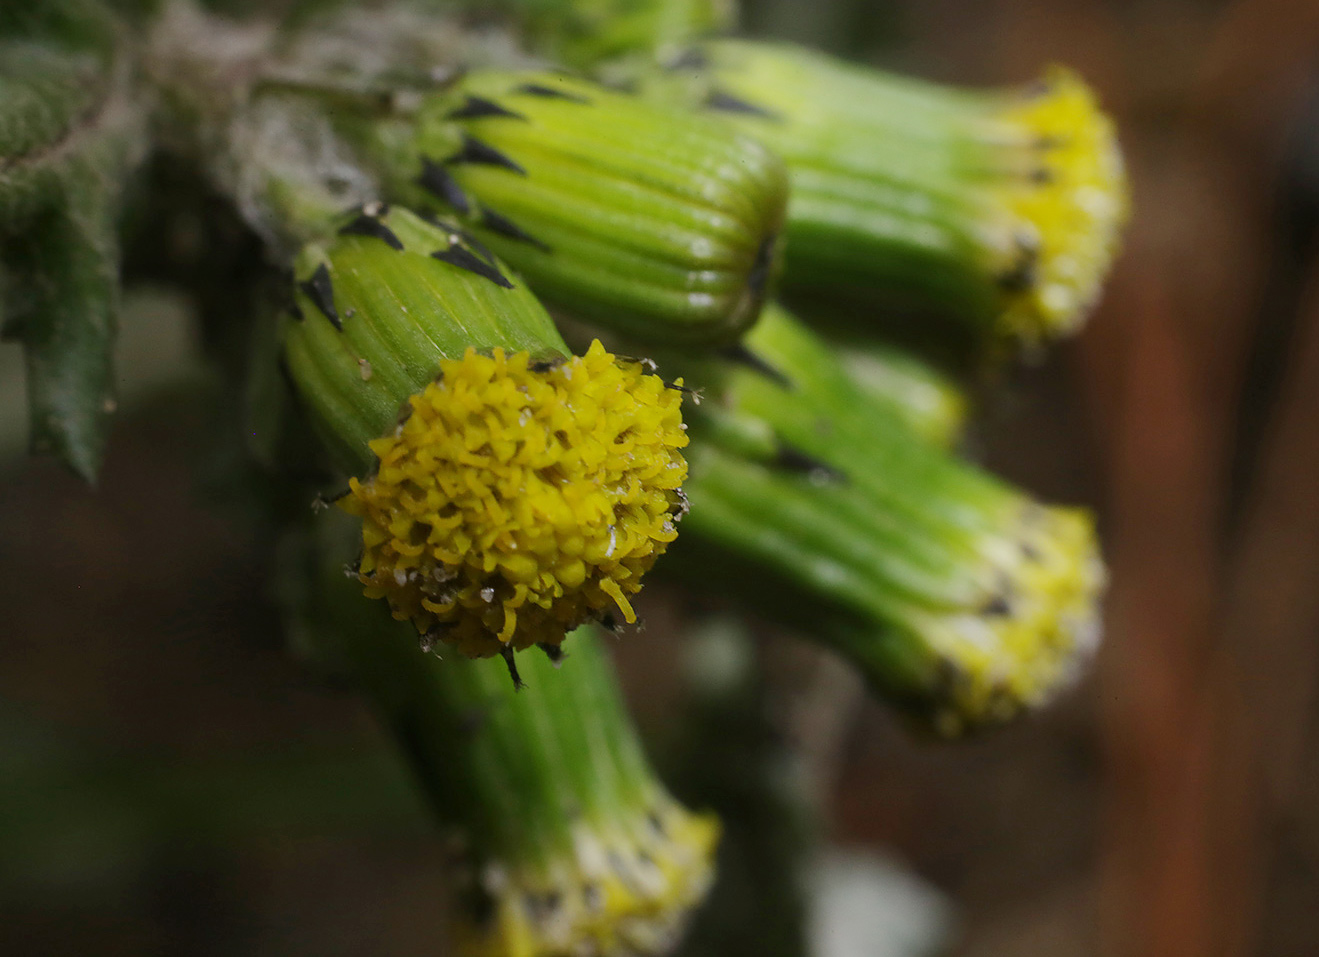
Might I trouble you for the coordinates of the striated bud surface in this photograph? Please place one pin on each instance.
(1001, 209)
(643, 218)
(964, 601)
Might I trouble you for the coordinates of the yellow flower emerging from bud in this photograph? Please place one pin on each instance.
(629, 891)
(520, 499)
(963, 600)
(1037, 633)
(1000, 210)
(1073, 203)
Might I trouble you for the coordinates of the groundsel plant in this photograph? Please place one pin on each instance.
(515, 331)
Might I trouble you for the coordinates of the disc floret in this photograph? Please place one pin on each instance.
(518, 499)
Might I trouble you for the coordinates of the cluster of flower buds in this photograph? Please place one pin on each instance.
(445, 228)
(508, 491)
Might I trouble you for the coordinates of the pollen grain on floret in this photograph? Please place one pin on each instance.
(519, 499)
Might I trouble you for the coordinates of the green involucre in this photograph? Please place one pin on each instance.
(641, 218)
(962, 600)
(998, 210)
(372, 322)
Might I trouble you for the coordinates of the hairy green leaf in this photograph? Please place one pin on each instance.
(67, 138)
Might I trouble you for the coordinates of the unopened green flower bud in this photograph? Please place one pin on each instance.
(603, 861)
(962, 600)
(641, 218)
(516, 491)
(1001, 209)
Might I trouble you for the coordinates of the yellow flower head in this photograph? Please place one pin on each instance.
(519, 499)
(1065, 208)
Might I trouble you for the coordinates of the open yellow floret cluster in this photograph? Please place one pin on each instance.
(1074, 207)
(626, 890)
(518, 499)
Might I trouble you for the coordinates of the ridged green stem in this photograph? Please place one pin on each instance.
(883, 182)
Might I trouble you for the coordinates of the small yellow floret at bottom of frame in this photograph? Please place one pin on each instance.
(625, 894)
(519, 499)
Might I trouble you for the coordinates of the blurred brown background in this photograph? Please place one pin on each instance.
(171, 782)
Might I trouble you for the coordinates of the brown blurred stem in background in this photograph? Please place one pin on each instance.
(1208, 682)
